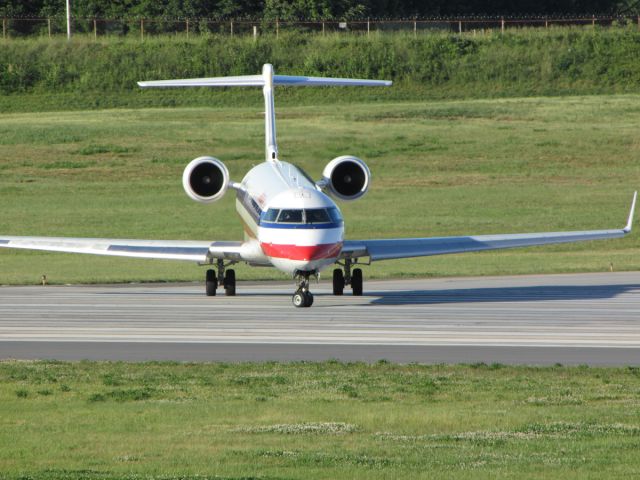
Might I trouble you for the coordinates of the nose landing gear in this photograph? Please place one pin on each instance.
(303, 297)
(348, 277)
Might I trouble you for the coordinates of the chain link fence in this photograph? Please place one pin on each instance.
(141, 27)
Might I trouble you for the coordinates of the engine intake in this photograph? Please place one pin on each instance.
(347, 177)
(205, 179)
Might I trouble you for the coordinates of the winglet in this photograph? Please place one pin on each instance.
(627, 229)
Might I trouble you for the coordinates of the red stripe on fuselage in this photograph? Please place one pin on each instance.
(302, 252)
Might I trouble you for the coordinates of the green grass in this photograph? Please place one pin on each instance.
(96, 420)
(42, 74)
(439, 168)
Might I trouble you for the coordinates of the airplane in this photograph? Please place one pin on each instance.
(291, 222)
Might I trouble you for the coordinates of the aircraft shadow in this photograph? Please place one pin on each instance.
(499, 295)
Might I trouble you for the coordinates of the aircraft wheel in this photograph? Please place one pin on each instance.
(211, 283)
(302, 299)
(299, 299)
(338, 282)
(230, 283)
(356, 281)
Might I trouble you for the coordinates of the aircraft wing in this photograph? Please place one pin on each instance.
(162, 249)
(386, 249)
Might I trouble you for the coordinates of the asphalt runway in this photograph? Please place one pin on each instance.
(540, 319)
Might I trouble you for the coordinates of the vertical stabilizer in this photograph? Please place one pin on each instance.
(267, 81)
(271, 146)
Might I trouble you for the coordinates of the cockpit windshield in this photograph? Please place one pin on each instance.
(310, 216)
(271, 215)
(334, 213)
(316, 215)
(290, 216)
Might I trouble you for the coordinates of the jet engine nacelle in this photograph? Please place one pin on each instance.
(346, 177)
(205, 179)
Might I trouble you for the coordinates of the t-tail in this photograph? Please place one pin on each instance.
(267, 81)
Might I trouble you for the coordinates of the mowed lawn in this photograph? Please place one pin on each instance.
(439, 168)
(96, 420)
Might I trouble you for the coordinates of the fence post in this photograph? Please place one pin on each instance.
(232, 28)
(593, 20)
(68, 11)
(277, 27)
(368, 27)
(95, 29)
(142, 29)
(255, 32)
(187, 28)
(502, 24)
(638, 22)
(459, 26)
(415, 28)
(49, 26)
(323, 26)
(546, 22)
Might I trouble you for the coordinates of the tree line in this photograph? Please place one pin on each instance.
(288, 10)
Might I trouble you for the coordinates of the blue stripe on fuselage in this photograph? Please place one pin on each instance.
(296, 226)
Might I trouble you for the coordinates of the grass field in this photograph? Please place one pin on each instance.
(440, 168)
(43, 74)
(331, 420)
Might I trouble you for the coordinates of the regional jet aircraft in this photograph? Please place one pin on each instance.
(291, 222)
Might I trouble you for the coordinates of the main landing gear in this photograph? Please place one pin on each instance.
(225, 278)
(303, 297)
(347, 277)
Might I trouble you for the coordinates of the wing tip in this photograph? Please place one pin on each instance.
(627, 228)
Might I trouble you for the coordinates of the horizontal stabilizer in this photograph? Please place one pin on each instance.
(258, 81)
(242, 81)
(295, 81)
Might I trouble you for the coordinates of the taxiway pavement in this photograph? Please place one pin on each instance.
(537, 319)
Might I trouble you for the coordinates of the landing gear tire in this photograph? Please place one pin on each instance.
(338, 282)
(298, 299)
(211, 283)
(356, 282)
(230, 283)
(302, 299)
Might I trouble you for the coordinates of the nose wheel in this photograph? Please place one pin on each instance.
(303, 297)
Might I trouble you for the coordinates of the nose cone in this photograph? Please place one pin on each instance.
(302, 230)
(304, 253)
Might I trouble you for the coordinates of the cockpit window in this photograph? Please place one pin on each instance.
(316, 215)
(310, 216)
(290, 216)
(271, 215)
(335, 214)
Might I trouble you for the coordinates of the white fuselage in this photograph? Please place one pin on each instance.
(293, 225)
